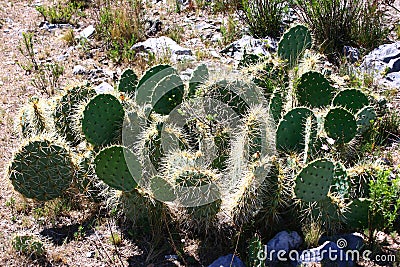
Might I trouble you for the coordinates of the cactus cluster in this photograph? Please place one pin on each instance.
(204, 151)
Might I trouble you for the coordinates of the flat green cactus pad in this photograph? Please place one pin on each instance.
(276, 106)
(112, 168)
(65, 109)
(291, 129)
(314, 90)
(364, 118)
(127, 81)
(41, 170)
(340, 182)
(314, 181)
(293, 44)
(162, 190)
(148, 81)
(340, 125)
(200, 76)
(102, 119)
(167, 94)
(357, 214)
(351, 99)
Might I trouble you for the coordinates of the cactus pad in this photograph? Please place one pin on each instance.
(112, 168)
(293, 44)
(351, 99)
(358, 213)
(167, 94)
(276, 106)
(66, 107)
(340, 125)
(149, 80)
(127, 81)
(340, 182)
(291, 129)
(364, 118)
(314, 90)
(314, 180)
(41, 170)
(102, 120)
(33, 118)
(200, 76)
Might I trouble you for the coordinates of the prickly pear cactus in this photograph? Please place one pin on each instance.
(149, 80)
(292, 129)
(340, 125)
(314, 90)
(112, 168)
(293, 43)
(351, 99)
(102, 120)
(42, 169)
(200, 76)
(276, 104)
(364, 118)
(66, 109)
(314, 181)
(127, 81)
(340, 182)
(358, 213)
(167, 94)
(33, 118)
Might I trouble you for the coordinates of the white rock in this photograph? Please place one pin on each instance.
(104, 88)
(79, 70)
(87, 32)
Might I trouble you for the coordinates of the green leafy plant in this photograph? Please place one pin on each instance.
(28, 246)
(61, 13)
(229, 31)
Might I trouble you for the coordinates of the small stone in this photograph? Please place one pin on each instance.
(90, 254)
(87, 32)
(79, 70)
(227, 261)
(104, 88)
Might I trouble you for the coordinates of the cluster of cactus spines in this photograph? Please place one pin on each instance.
(199, 77)
(42, 169)
(112, 168)
(276, 104)
(102, 120)
(351, 99)
(340, 182)
(67, 107)
(33, 118)
(340, 125)
(364, 118)
(293, 44)
(314, 181)
(314, 90)
(291, 131)
(128, 81)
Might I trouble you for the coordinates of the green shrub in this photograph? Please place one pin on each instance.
(336, 23)
(60, 13)
(264, 17)
(28, 245)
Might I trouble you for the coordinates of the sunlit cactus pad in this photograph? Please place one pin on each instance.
(41, 170)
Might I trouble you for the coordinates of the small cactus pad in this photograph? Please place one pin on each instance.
(149, 80)
(102, 119)
(276, 106)
(291, 129)
(314, 90)
(248, 60)
(314, 180)
(357, 214)
(41, 170)
(351, 99)
(340, 125)
(33, 118)
(162, 190)
(167, 94)
(200, 76)
(293, 44)
(340, 182)
(112, 168)
(127, 81)
(364, 118)
(66, 107)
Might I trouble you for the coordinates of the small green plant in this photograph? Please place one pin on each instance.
(115, 239)
(69, 37)
(312, 233)
(80, 233)
(385, 198)
(28, 246)
(175, 32)
(26, 49)
(229, 30)
(264, 17)
(61, 13)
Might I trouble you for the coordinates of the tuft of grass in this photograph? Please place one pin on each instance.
(28, 246)
(312, 233)
(69, 37)
(229, 31)
(119, 26)
(61, 13)
(115, 239)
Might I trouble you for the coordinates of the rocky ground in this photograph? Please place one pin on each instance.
(200, 40)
